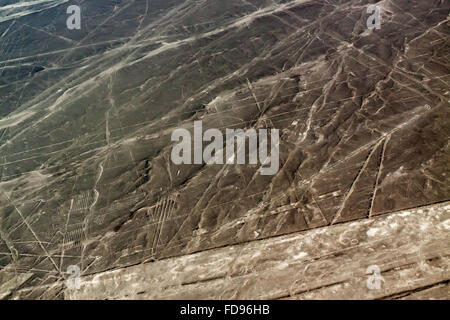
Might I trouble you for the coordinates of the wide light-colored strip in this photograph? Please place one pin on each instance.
(410, 247)
(20, 9)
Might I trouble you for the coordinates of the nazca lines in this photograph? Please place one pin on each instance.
(157, 215)
(74, 237)
(161, 212)
(75, 233)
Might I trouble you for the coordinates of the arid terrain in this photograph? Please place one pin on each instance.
(86, 177)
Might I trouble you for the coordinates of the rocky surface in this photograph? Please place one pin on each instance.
(292, 267)
(86, 119)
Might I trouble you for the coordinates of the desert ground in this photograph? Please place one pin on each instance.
(86, 177)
